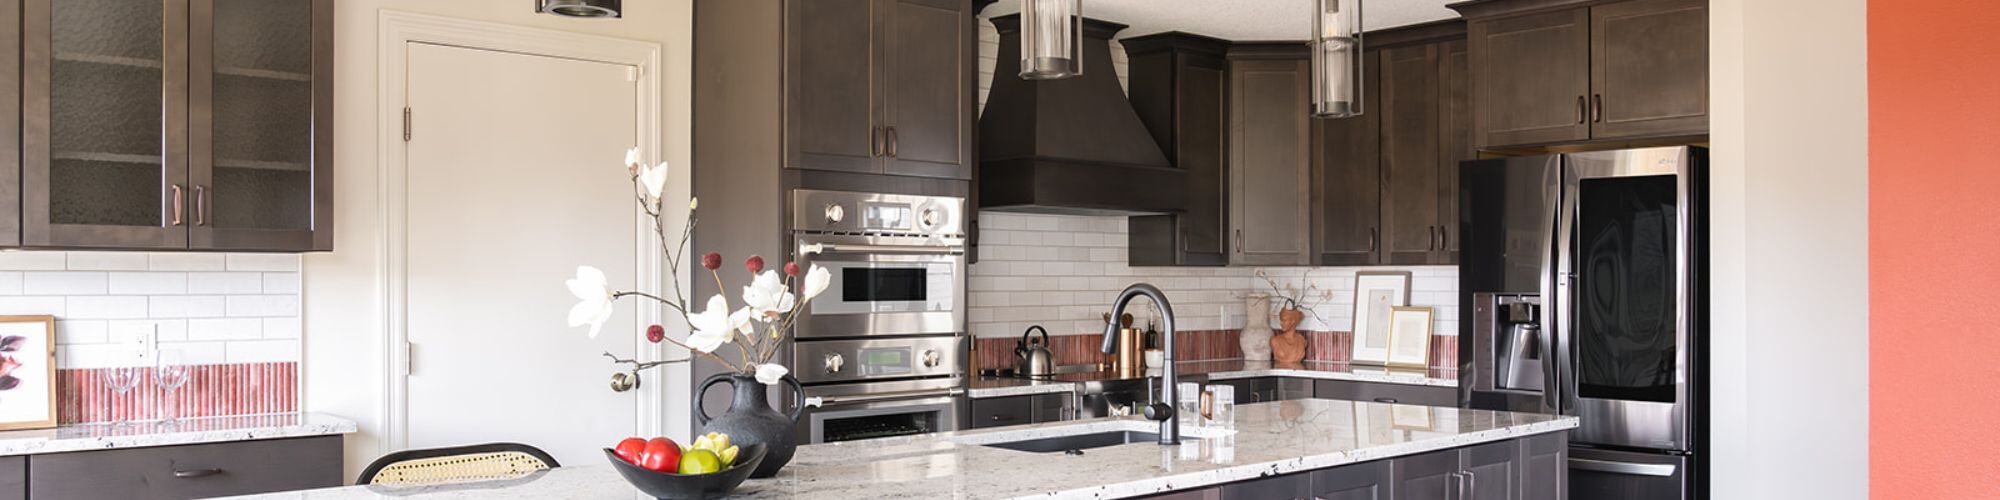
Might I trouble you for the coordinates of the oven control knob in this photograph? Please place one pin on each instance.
(834, 362)
(834, 213)
(930, 358)
(931, 218)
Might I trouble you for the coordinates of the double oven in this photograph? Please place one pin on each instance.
(882, 351)
(1586, 276)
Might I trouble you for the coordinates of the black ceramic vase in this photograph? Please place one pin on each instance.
(750, 419)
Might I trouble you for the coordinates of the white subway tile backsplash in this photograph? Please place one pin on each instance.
(105, 301)
(240, 306)
(282, 328)
(229, 282)
(261, 351)
(148, 283)
(281, 282)
(225, 329)
(64, 283)
(186, 306)
(81, 332)
(105, 307)
(32, 261)
(105, 261)
(185, 262)
(262, 262)
(34, 305)
(11, 282)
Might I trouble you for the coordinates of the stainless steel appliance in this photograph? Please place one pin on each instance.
(1511, 347)
(882, 351)
(1035, 358)
(1618, 243)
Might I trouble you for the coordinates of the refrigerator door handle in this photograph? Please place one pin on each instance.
(1552, 328)
(1626, 468)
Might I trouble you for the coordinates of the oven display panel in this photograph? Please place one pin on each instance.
(882, 361)
(893, 217)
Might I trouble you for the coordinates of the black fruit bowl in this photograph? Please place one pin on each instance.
(690, 486)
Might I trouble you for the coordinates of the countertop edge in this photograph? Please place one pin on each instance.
(1327, 375)
(47, 441)
(1156, 485)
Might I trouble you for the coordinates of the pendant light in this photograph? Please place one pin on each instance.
(1336, 58)
(581, 8)
(1051, 39)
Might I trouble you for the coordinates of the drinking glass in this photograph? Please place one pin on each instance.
(170, 374)
(1222, 405)
(1189, 404)
(120, 380)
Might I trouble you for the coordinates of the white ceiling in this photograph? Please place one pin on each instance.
(1241, 20)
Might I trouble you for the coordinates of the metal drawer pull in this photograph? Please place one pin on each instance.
(1655, 470)
(1582, 110)
(178, 203)
(892, 141)
(1597, 108)
(200, 198)
(191, 474)
(1386, 400)
(1003, 418)
(874, 142)
(833, 248)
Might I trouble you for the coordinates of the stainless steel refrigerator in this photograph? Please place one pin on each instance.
(1584, 288)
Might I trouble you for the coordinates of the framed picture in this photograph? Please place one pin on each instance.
(1410, 337)
(1412, 418)
(27, 372)
(1376, 294)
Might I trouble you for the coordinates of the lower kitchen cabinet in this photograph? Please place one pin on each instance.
(1263, 389)
(13, 478)
(190, 471)
(1386, 393)
(1507, 470)
(1018, 410)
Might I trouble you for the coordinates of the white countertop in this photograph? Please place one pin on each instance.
(994, 387)
(84, 437)
(1267, 438)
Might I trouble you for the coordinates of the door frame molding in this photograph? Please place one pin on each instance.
(396, 31)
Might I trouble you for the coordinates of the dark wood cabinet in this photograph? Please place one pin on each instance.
(1555, 73)
(1267, 389)
(1410, 154)
(1458, 143)
(1270, 147)
(1285, 487)
(1429, 476)
(1492, 471)
(180, 124)
(190, 471)
(13, 478)
(1502, 470)
(1363, 481)
(1018, 410)
(1649, 68)
(1386, 393)
(881, 86)
(1348, 160)
(1179, 90)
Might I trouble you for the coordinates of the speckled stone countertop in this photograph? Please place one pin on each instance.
(983, 386)
(186, 431)
(1266, 438)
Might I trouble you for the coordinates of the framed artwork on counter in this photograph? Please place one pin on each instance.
(27, 372)
(1410, 337)
(1376, 294)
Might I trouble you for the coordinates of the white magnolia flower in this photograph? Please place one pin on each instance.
(654, 179)
(771, 373)
(632, 160)
(713, 326)
(593, 305)
(817, 280)
(767, 296)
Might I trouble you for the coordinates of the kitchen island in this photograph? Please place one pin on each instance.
(1277, 446)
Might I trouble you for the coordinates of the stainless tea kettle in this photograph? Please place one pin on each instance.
(1035, 358)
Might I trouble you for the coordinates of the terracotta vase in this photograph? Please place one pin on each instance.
(1255, 339)
(1289, 346)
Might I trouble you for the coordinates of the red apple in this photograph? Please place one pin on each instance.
(630, 450)
(661, 455)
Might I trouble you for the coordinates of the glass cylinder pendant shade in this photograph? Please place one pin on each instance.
(1051, 39)
(1336, 58)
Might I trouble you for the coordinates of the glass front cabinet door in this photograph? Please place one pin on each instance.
(176, 124)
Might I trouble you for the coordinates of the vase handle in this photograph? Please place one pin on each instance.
(700, 403)
(798, 399)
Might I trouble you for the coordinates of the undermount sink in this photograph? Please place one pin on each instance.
(1082, 441)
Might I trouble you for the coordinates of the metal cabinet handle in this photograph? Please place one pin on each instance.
(194, 473)
(1386, 400)
(1582, 110)
(1374, 239)
(1472, 483)
(1431, 232)
(1239, 242)
(1597, 108)
(874, 141)
(178, 203)
(200, 205)
(1444, 239)
(892, 141)
(1456, 489)
(1628, 468)
(1004, 418)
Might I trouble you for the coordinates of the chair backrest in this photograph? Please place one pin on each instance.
(462, 464)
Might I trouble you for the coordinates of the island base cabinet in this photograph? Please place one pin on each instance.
(1385, 393)
(1528, 468)
(192, 471)
(1018, 410)
(13, 478)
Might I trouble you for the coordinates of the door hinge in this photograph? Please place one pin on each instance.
(409, 358)
(406, 124)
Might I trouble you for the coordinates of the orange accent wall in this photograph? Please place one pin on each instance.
(1934, 248)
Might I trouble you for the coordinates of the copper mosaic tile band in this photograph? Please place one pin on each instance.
(84, 395)
(1199, 345)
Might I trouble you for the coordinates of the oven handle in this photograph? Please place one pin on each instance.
(813, 248)
(1627, 468)
(872, 398)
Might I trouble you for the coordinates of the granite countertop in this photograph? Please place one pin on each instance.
(1266, 438)
(82, 437)
(986, 386)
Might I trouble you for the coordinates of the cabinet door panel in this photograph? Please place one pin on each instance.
(1455, 96)
(1491, 472)
(241, 468)
(1349, 162)
(1270, 171)
(1545, 467)
(1649, 68)
(1533, 74)
(1410, 153)
(1002, 411)
(1362, 481)
(1428, 476)
(1285, 487)
(104, 145)
(1386, 393)
(1203, 229)
(927, 89)
(835, 105)
(259, 86)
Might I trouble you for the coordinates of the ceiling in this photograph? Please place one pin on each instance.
(1241, 20)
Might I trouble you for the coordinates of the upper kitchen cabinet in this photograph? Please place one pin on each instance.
(1564, 72)
(1178, 88)
(1347, 160)
(176, 124)
(880, 86)
(1270, 155)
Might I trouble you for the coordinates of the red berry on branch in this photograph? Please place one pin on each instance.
(755, 264)
(656, 333)
(791, 269)
(711, 261)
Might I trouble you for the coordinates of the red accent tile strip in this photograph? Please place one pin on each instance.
(212, 390)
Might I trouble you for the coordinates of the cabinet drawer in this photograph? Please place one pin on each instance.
(192, 471)
(1002, 411)
(1386, 393)
(1049, 407)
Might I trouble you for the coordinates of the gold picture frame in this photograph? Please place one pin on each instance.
(1410, 336)
(28, 387)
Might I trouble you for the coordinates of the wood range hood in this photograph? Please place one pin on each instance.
(1070, 146)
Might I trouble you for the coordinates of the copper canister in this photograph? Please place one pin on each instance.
(1131, 359)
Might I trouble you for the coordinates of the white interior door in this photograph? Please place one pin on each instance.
(514, 179)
